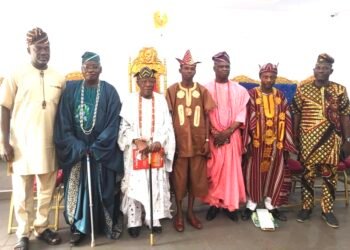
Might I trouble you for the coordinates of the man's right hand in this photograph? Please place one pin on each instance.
(141, 145)
(6, 152)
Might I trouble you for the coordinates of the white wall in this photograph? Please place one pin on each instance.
(291, 32)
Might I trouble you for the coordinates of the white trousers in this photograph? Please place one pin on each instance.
(23, 200)
(267, 201)
(135, 215)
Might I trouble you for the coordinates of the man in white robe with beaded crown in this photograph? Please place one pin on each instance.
(146, 126)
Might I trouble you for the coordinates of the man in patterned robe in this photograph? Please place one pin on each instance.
(268, 141)
(321, 125)
(146, 127)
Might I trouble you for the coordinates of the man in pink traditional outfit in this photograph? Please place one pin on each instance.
(226, 183)
(268, 139)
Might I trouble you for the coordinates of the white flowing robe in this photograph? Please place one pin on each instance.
(135, 184)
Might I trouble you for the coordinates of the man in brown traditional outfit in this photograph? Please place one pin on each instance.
(189, 104)
(321, 124)
(268, 140)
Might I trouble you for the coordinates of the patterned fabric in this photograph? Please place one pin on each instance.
(37, 35)
(221, 57)
(320, 137)
(188, 107)
(145, 72)
(187, 59)
(267, 137)
(77, 202)
(325, 58)
(72, 144)
(136, 183)
(330, 177)
(269, 67)
(320, 110)
(90, 56)
(88, 109)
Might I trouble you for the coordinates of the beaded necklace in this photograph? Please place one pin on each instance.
(81, 111)
(140, 116)
(217, 114)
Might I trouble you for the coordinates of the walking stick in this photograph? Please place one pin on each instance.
(151, 239)
(90, 200)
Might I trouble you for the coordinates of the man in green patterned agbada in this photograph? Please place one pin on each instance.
(87, 123)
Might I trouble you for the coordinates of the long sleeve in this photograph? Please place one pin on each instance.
(69, 148)
(128, 130)
(167, 137)
(103, 146)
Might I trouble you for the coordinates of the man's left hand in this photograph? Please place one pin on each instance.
(155, 147)
(222, 137)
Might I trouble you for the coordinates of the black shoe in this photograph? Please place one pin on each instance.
(330, 219)
(232, 215)
(246, 214)
(278, 215)
(303, 215)
(22, 244)
(212, 212)
(50, 237)
(76, 237)
(117, 231)
(157, 230)
(134, 232)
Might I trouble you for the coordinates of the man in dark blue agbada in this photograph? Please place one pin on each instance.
(87, 122)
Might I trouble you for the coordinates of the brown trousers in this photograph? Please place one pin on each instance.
(190, 175)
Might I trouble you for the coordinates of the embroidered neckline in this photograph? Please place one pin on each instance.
(188, 92)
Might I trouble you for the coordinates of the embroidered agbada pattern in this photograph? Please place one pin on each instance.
(320, 136)
(188, 107)
(268, 133)
(135, 184)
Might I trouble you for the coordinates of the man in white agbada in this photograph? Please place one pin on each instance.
(146, 126)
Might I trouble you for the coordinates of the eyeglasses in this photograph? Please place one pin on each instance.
(91, 67)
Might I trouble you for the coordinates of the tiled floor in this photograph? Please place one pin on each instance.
(221, 233)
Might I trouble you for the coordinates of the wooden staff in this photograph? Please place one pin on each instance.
(151, 237)
(90, 200)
